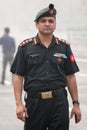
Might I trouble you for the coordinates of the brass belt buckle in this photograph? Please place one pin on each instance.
(46, 95)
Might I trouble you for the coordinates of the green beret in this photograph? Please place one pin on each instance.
(49, 11)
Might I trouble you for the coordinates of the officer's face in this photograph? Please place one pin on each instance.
(46, 25)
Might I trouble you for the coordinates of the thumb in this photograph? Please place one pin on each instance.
(71, 115)
(26, 113)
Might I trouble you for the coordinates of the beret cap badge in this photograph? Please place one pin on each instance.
(46, 12)
(51, 6)
(51, 11)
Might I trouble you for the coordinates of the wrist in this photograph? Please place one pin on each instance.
(76, 102)
(18, 103)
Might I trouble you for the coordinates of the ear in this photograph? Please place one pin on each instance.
(36, 25)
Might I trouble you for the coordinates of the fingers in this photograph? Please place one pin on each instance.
(26, 113)
(21, 113)
(21, 116)
(77, 117)
(71, 116)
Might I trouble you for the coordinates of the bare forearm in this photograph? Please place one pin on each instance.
(18, 83)
(72, 86)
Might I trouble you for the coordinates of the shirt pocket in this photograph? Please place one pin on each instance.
(35, 59)
(57, 62)
(58, 65)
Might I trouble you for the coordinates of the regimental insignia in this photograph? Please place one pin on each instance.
(64, 41)
(35, 41)
(72, 59)
(51, 11)
(56, 41)
(51, 7)
(26, 42)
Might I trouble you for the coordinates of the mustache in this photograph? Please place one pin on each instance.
(47, 28)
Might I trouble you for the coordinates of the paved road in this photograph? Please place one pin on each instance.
(8, 120)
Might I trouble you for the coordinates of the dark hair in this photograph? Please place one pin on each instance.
(7, 30)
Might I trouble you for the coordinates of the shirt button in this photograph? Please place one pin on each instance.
(47, 61)
(47, 73)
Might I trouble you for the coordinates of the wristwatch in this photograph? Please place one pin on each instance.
(76, 102)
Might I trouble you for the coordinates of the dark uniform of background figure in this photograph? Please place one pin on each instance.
(44, 70)
(8, 46)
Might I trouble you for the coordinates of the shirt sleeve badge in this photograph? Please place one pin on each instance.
(72, 59)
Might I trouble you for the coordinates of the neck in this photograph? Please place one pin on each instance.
(45, 39)
(5, 34)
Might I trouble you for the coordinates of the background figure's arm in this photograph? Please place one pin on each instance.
(14, 46)
(0, 41)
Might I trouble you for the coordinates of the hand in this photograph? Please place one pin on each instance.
(76, 112)
(21, 112)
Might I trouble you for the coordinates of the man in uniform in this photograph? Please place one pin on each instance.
(46, 65)
(8, 46)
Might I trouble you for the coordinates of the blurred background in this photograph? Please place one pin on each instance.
(19, 16)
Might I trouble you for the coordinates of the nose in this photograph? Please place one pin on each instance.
(47, 23)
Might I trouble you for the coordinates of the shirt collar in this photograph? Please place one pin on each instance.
(53, 42)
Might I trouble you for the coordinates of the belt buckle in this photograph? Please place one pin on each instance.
(46, 95)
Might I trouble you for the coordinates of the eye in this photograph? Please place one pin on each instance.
(43, 21)
(47, 20)
(51, 21)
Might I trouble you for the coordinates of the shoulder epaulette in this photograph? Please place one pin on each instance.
(64, 41)
(56, 40)
(35, 41)
(25, 42)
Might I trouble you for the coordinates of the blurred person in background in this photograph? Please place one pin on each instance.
(44, 66)
(8, 46)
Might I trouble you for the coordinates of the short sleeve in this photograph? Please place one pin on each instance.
(18, 65)
(70, 64)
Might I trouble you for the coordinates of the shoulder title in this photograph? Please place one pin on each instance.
(64, 41)
(25, 42)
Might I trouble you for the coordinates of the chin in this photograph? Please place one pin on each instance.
(47, 33)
